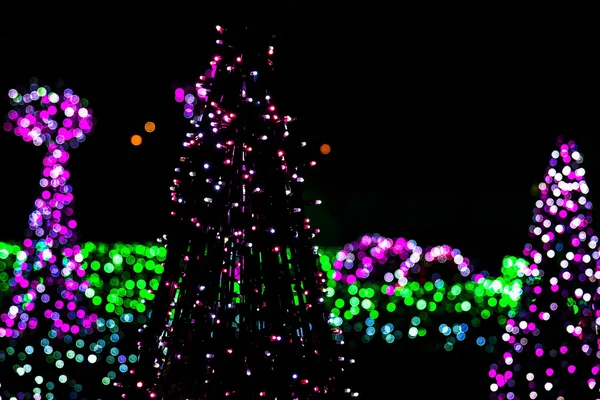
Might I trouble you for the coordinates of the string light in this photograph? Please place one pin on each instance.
(242, 286)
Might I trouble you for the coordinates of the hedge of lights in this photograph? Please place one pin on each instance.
(392, 289)
(122, 278)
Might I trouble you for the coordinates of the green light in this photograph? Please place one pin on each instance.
(477, 296)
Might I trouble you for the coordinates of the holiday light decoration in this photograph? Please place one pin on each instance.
(240, 313)
(551, 346)
(62, 319)
(393, 289)
(123, 277)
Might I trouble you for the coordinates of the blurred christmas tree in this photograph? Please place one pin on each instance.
(553, 342)
(240, 312)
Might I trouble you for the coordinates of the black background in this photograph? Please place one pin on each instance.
(440, 117)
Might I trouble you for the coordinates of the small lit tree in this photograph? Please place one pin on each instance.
(552, 344)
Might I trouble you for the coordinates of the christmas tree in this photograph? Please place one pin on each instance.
(240, 312)
(552, 343)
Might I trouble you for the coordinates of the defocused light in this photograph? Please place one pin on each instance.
(325, 149)
(366, 278)
(561, 240)
(136, 140)
(149, 127)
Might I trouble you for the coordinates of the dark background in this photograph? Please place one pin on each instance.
(441, 118)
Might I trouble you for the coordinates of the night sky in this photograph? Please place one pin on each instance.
(440, 118)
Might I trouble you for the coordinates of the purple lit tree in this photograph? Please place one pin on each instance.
(51, 341)
(552, 344)
(240, 314)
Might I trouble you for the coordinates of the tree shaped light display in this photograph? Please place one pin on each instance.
(395, 290)
(64, 306)
(240, 314)
(551, 346)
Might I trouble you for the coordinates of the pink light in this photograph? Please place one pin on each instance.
(572, 368)
(539, 352)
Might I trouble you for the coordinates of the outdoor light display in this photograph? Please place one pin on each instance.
(239, 314)
(392, 289)
(550, 348)
(66, 307)
(122, 277)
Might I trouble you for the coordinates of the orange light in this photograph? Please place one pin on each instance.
(136, 140)
(325, 149)
(150, 126)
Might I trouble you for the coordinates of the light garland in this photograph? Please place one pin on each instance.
(242, 287)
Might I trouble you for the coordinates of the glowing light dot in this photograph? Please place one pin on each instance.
(149, 127)
(325, 149)
(136, 140)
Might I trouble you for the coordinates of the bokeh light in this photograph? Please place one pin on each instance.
(550, 348)
(64, 314)
(136, 140)
(150, 127)
(119, 280)
(392, 289)
(325, 149)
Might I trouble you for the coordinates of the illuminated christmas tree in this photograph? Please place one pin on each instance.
(552, 344)
(240, 313)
